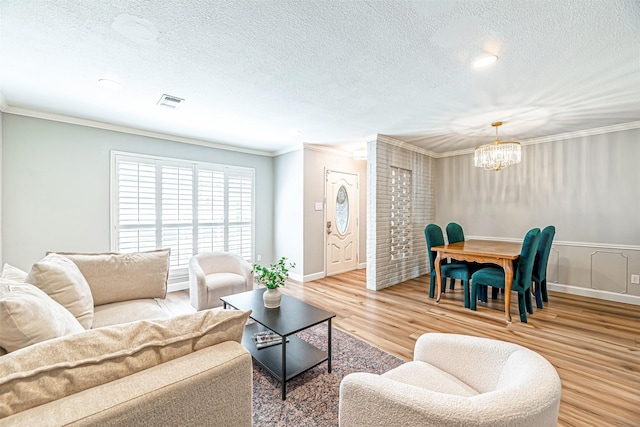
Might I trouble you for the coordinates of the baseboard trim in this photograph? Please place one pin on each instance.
(180, 286)
(594, 293)
(322, 274)
(313, 276)
(297, 277)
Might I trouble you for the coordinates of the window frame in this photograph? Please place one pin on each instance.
(180, 273)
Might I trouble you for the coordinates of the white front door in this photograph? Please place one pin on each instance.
(342, 222)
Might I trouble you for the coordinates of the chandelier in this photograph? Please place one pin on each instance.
(497, 155)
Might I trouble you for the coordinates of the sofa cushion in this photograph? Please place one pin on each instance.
(29, 316)
(115, 277)
(60, 367)
(61, 279)
(13, 273)
(127, 311)
(228, 280)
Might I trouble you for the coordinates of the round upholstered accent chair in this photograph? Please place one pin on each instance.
(216, 274)
(456, 380)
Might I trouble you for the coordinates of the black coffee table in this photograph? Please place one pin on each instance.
(293, 357)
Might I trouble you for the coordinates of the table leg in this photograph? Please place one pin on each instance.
(507, 265)
(329, 345)
(284, 368)
(438, 277)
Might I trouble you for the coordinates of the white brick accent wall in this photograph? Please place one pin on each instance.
(382, 270)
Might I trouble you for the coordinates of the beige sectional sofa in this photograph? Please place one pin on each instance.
(124, 360)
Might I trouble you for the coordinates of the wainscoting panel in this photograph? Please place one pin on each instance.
(598, 269)
(609, 271)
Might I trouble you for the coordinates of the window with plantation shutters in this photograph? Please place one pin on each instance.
(190, 207)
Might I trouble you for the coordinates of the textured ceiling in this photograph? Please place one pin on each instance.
(340, 71)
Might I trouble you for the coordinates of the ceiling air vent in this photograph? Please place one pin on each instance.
(170, 101)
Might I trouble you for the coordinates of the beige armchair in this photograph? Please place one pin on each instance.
(456, 380)
(215, 274)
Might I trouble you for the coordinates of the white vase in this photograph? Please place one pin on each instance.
(272, 298)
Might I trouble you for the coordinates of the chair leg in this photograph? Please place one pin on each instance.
(465, 288)
(482, 290)
(543, 288)
(522, 308)
(538, 294)
(494, 293)
(527, 300)
(444, 284)
(473, 297)
(452, 283)
(432, 285)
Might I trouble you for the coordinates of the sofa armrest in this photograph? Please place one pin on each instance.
(376, 401)
(212, 385)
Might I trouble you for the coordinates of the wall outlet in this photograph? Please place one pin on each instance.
(635, 279)
(259, 258)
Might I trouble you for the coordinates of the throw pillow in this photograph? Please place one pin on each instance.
(13, 273)
(61, 279)
(53, 369)
(29, 316)
(115, 277)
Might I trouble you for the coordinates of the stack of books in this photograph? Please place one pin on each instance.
(266, 339)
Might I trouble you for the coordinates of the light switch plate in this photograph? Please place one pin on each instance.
(318, 206)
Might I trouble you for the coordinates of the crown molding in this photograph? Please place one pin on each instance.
(405, 145)
(6, 108)
(582, 133)
(128, 130)
(329, 150)
(286, 150)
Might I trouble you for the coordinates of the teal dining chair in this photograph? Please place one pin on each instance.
(454, 232)
(540, 263)
(522, 277)
(434, 237)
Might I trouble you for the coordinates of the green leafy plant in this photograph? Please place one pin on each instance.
(274, 275)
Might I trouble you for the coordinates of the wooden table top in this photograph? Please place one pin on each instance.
(509, 250)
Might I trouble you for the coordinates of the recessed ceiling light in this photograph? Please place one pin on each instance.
(295, 132)
(484, 61)
(110, 84)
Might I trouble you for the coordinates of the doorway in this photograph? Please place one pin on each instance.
(341, 221)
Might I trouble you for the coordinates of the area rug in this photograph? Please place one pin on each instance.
(313, 397)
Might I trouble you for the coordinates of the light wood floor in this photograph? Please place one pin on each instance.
(594, 344)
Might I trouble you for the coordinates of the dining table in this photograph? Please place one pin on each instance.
(501, 253)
